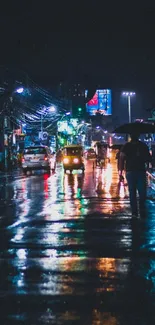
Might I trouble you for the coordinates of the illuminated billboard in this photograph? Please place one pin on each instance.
(100, 103)
(66, 127)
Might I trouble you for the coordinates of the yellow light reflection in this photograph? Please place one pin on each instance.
(122, 191)
(64, 267)
(106, 265)
(105, 318)
(107, 269)
(108, 178)
(78, 206)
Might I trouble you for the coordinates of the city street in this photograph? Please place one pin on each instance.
(71, 252)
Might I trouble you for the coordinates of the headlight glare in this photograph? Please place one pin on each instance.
(66, 160)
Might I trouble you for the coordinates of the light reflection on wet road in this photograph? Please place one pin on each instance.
(70, 252)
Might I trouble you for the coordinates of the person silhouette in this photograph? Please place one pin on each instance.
(134, 159)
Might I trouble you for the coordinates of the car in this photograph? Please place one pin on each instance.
(91, 154)
(38, 157)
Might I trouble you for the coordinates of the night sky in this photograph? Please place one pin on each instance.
(88, 41)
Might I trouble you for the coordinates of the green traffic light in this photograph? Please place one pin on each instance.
(79, 109)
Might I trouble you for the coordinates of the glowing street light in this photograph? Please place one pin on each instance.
(129, 95)
(52, 109)
(20, 90)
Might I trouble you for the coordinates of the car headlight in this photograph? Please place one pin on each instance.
(66, 160)
(76, 160)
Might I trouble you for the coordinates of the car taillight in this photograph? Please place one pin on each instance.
(46, 158)
(23, 160)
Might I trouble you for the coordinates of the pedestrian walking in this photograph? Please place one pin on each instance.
(121, 178)
(134, 159)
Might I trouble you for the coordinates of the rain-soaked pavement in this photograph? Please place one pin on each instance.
(71, 253)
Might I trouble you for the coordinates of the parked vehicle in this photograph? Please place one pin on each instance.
(38, 157)
(73, 158)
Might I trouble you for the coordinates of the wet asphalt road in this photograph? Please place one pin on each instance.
(71, 253)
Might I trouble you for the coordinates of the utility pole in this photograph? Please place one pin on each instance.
(129, 95)
(5, 114)
(129, 108)
(41, 123)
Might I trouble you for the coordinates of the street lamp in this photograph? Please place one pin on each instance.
(129, 95)
(52, 109)
(19, 90)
